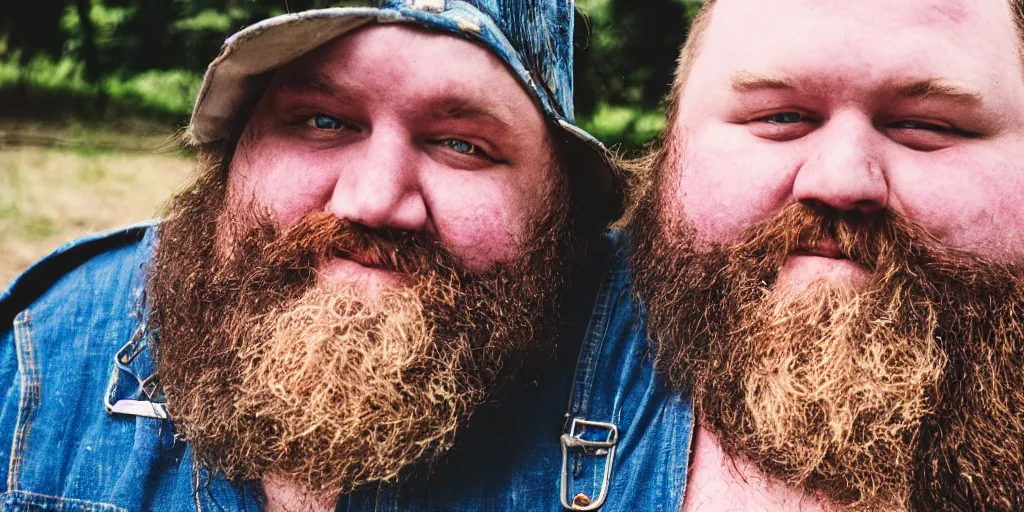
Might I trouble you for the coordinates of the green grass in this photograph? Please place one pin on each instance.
(49, 196)
(35, 228)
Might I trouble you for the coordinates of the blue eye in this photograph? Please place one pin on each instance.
(325, 122)
(910, 124)
(785, 118)
(461, 146)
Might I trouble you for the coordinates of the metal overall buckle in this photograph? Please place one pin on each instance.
(604, 448)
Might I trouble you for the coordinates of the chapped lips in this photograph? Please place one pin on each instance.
(376, 259)
(825, 248)
(399, 255)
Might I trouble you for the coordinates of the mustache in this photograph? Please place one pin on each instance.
(879, 241)
(319, 236)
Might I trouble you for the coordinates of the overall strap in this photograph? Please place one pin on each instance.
(590, 436)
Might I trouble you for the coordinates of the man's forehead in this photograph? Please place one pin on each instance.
(947, 13)
(962, 40)
(423, 58)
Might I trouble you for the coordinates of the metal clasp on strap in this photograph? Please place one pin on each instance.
(139, 408)
(574, 439)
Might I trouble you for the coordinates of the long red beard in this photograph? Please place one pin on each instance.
(269, 372)
(886, 397)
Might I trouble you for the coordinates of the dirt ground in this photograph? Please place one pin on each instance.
(52, 195)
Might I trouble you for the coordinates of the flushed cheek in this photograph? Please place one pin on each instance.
(729, 182)
(290, 185)
(480, 235)
(482, 217)
(969, 200)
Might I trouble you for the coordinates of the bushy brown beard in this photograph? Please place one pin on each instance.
(269, 372)
(907, 393)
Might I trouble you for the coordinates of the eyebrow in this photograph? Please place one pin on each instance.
(746, 81)
(308, 81)
(937, 87)
(466, 109)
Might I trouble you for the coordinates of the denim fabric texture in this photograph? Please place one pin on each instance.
(73, 345)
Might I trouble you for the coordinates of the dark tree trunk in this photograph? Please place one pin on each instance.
(33, 27)
(89, 54)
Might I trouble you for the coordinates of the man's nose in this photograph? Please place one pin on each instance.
(379, 186)
(846, 170)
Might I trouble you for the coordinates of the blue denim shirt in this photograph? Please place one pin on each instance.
(83, 425)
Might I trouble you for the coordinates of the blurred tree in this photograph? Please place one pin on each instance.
(33, 28)
(625, 60)
(148, 28)
(625, 49)
(88, 52)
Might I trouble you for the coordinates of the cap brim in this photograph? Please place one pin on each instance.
(258, 49)
(598, 177)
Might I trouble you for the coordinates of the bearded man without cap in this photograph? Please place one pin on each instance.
(390, 205)
(839, 192)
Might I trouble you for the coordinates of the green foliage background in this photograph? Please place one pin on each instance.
(111, 59)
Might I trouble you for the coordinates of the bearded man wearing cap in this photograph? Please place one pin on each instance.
(830, 253)
(356, 304)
